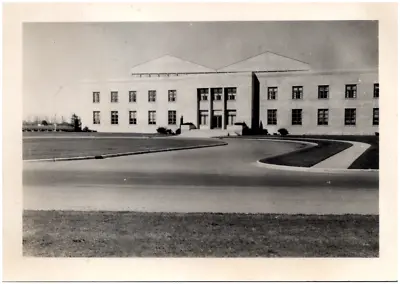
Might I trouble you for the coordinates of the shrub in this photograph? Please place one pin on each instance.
(86, 129)
(162, 130)
(283, 131)
(178, 131)
(264, 132)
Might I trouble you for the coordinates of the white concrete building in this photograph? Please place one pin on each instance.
(278, 91)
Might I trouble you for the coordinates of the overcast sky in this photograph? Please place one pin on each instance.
(57, 56)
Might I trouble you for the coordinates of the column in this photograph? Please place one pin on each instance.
(224, 90)
(210, 108)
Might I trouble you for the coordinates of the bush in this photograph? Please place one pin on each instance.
(86, 129)
(264, 132)
(283, 131)
(178, 131)
(162, 130)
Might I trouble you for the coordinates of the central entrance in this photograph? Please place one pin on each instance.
(216, 121)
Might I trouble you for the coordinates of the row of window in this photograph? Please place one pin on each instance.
(133, 117)
(322, 116)
(216, 94)
(323, 92)
(152, 94)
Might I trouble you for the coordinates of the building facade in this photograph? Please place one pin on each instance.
(269, 89)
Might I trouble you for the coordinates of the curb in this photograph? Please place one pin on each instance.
(105, 156)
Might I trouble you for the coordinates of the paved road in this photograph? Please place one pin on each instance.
(221, 179)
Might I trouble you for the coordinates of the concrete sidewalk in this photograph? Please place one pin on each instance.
(344, 159)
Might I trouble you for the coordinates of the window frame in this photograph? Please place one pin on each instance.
(132, 96)
(152, 96)
(325, 117)
(132, 121)
(272, 91)
(376, 91)
(353, 92)
(298, 121)
(231, 94)
(297, 90)
(172, 121)
(96, 121)
(150, 118)
(346, 119)
(114, 96)
(323, 90)
(272, 116)
(114, 113)
(96, 95)
(172, 96)
(375, 120)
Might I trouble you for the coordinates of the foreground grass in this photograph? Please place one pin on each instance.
(124, 234)
(64, 147)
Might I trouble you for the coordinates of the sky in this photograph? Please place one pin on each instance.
(56, 56)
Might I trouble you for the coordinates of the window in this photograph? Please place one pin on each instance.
(231, 114)
(203, 117)
(350, 116)
(297, 116)
(132, 117)
(114, 97)
(114, 117)
(172, 95)
(272, 93)
(172, 117)
(132, 96)
(217, 94)
(375, 116)
(152, 96)
(96, 97)
(297, 92)
(351, 91)
(231, 94)
(272, 117)
(376, 90)
(323, 92)
(96, 117)
(152, 117)
(323, 116)
(203, 94)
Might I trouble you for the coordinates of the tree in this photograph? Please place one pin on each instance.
(76, 122)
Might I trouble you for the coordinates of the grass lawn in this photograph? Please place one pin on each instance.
(127, 234)
(63, 147)
(369, 159)
(309, 157)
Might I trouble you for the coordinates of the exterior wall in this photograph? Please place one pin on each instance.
(186, 103)
(336, 103)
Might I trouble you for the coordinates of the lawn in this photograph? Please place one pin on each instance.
(130, 234)
(369, 159)
(309, 156)
(64, 147)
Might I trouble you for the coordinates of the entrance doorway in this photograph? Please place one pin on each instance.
(216, 122)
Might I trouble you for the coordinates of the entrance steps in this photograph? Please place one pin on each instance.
(207, 133)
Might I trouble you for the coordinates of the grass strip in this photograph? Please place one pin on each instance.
(309, 156)
(134, 234)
